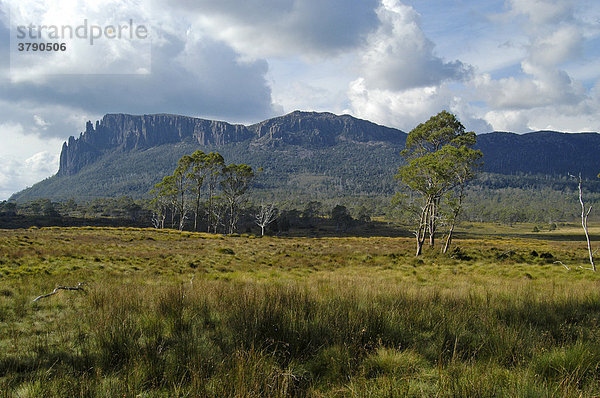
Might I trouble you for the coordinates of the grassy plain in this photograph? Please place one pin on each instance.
(169, 314)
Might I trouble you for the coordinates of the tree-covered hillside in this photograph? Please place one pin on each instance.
(303, 155)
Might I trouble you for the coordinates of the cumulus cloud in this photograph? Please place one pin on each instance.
(539, 87)
(402, 81)
(204, 78)
(406, 109)
(400, 57)
(262, 28)
(16, 175)
(544, 95)
(18, 167)
(556, 47)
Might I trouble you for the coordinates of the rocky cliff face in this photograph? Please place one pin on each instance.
(322, 129)
(119, 132)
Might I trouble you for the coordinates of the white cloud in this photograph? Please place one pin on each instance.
(40, 122)
(16, 175)
(558, 46)
(539, 87)
(398, 56)
(545, 95)
(402, 82)
(123, 53)
(541, 12)
(25, 158)
(190, 73)
(508, 120)
(265, 28)
(406, 109)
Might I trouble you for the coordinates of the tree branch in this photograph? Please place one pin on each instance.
(563, 264)
(78, 287)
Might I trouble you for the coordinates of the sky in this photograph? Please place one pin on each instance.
(510, 65)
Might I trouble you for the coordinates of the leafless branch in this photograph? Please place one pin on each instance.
(563, 264)
(588, 268)
(266, 214)
(78, 287)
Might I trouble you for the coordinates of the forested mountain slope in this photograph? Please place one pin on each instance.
(302, 153)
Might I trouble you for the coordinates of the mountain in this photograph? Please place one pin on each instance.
(303, 154)
(541, 152)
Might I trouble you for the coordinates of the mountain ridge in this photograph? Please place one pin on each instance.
(331, 154)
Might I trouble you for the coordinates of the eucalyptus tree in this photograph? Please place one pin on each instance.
(164, 200)
(439, 157)
(213, 167)
(196, 176)
(236, 180)
(181, 183)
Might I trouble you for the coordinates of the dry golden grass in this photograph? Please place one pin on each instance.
(169, 313)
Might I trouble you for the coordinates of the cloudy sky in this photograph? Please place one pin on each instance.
(511, 65)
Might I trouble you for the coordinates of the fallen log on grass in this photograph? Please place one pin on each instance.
(78, 287)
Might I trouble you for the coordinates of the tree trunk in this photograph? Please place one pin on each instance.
(197, 210)
(455, 215)
(432, 221)
(422, 230)
(231, 215)
(448, 238)
(584, 218)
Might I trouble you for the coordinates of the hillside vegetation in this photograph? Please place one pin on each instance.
(303, 154)
(168, 313)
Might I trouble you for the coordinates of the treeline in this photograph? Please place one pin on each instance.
(504, 205)
(205, 194)
(203, 190)
(122, 208)
(314, 218)
(519, 205)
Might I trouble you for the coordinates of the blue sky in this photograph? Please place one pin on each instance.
(513, 65)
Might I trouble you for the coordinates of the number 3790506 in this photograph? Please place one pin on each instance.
(42, 46)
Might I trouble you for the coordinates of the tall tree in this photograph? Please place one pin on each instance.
(437, 153)
(465, 168)
(164, 199)
(181, 185)
(235, 183)
(341, 218)
(213, 165)
(196, 176)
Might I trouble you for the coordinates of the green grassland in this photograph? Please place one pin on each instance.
(168, 313)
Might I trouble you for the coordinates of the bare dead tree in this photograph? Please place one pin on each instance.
(58, 288)
(266, 215)
(584, 223)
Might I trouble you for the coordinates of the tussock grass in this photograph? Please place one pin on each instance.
(170, 314)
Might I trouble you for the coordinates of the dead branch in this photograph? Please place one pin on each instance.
(78, 287)
(588, 268)
(563, 264)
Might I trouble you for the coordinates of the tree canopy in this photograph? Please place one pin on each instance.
(440, 158)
